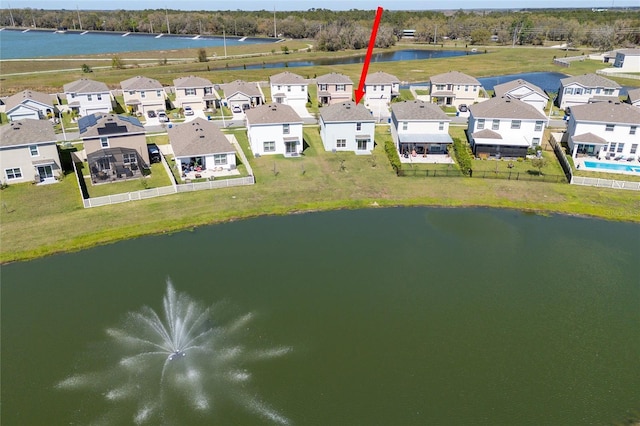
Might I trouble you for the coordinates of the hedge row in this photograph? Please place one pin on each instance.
(463, 156)
(392, 154)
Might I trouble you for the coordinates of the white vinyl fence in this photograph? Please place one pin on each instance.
(605, 183)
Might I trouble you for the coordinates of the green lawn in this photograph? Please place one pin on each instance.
(156, 179)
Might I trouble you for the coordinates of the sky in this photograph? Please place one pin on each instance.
(283, 5)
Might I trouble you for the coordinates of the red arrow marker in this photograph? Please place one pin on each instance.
(367, 59)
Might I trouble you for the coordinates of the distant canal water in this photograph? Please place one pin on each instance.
(411, 316)
(35, 44)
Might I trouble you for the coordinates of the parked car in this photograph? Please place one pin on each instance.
(236, 108)
(162, 117)
(154, 153)
(188, 110)
(463, 108)
(151, 114)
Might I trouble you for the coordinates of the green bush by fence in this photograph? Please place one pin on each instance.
(463, 156)
(392, 154)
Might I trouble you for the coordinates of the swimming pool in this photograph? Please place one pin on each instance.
(611, 167)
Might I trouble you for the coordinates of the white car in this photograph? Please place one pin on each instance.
(162, 117)
(188, 110)
(236, 109)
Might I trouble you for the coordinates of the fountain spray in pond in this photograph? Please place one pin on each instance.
(175, 364)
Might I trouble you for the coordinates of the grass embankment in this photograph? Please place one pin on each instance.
(318, 180)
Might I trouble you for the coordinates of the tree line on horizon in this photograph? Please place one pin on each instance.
(338, 30)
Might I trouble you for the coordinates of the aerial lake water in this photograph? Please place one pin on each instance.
(406, 316)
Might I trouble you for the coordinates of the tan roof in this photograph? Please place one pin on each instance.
(501, 90)
(454, 77)
(140, 83)
(198, 137)
(345, 111)
(84, 85)
(607, 112)
(486, 134)
(588, 138)
(334, 78)
(418, 110)
(250, 89)
(287, 78)
(190, 82)
(506, 108)
(102, 124)
(589, 80)
(634, 94)
(27, 132)
(381, 78)
(272, 114)
(15, 100)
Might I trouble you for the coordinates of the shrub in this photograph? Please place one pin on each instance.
(392, 154)
(463, 156)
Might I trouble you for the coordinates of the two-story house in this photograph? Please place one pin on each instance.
(586, 88)
(195, 92)
(241, 95)
(380, 89)
(347, 126)
(504, 127)
(274, 129)
(454, 89)
(290, 89)
(28, 152)
(627, 60)
(115, 146)
(419, 127)
(142, 94)
(29, 104)
(334, 88)
(88, 96)
(604, 129)
(523, 90)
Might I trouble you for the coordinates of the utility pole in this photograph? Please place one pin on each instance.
(224, 41)
(79, 21)
(13, 23)
(166, 14)
(435, 35)
(275, 32)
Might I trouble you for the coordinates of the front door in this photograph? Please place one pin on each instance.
(45, 172)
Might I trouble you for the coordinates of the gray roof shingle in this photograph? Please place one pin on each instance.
(590, 80)
(25, 95)
(607, 112)
(26, 132)
(506, 108)
(418, 110)
(381, 77)
(84, 85)
(102, 124)
(334, 78)
(198, 137)
(250, 89)
(454, 77)
(345, 112)
(287, 78)
(191, 82)
(272, 114)
(588, 138)
(140, 83)
(501, 90)
(634, 94)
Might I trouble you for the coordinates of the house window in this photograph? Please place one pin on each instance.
(341, 87)
(598, 90)
(587, 91)
(609, 127)
(220, 159)
(285, 129)
(405, 125)
(612, 147)
(568, 91)
(323, 87)
(620, 147)
(129, 158)
(207, 91)
(535, 141)
(495, 125)
(515, 124)
(288, 88)
(634, 148)
(475, 88)
(341, 143)
(466, 88)
(143, 94)
(441, 125)
(608, 92)
(358, 127)
(33, 149)
(375, 87)
(302, 88)
(100, 96)
(269, 146)
(538, 126)
(632, 130)
(132, 92)
(89, 97)
(279, 87)
(73, 95)
(480, 125)
(104, 142)
(190, 92)
(13, 173)
(578, 91)
(158, 93)
(362, 144)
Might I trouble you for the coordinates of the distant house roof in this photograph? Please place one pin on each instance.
(272, 114)
(454, 77)
(418, 110)
(26, 132)
(19, 98)
(634, 95)
(629, 52)
(381, 77)
(334, 78)
(607, 112)
(503, 89)
(506, 108)
(590, 80)
(345, 112)
(198, 137)
(239, 86)
(287, 78)
(191, 82)
(588, 138)
(102, 124)
(84, 85)
(140, 83)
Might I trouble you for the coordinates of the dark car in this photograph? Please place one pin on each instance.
(463, 108)
(154, 153)
(151, 114)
